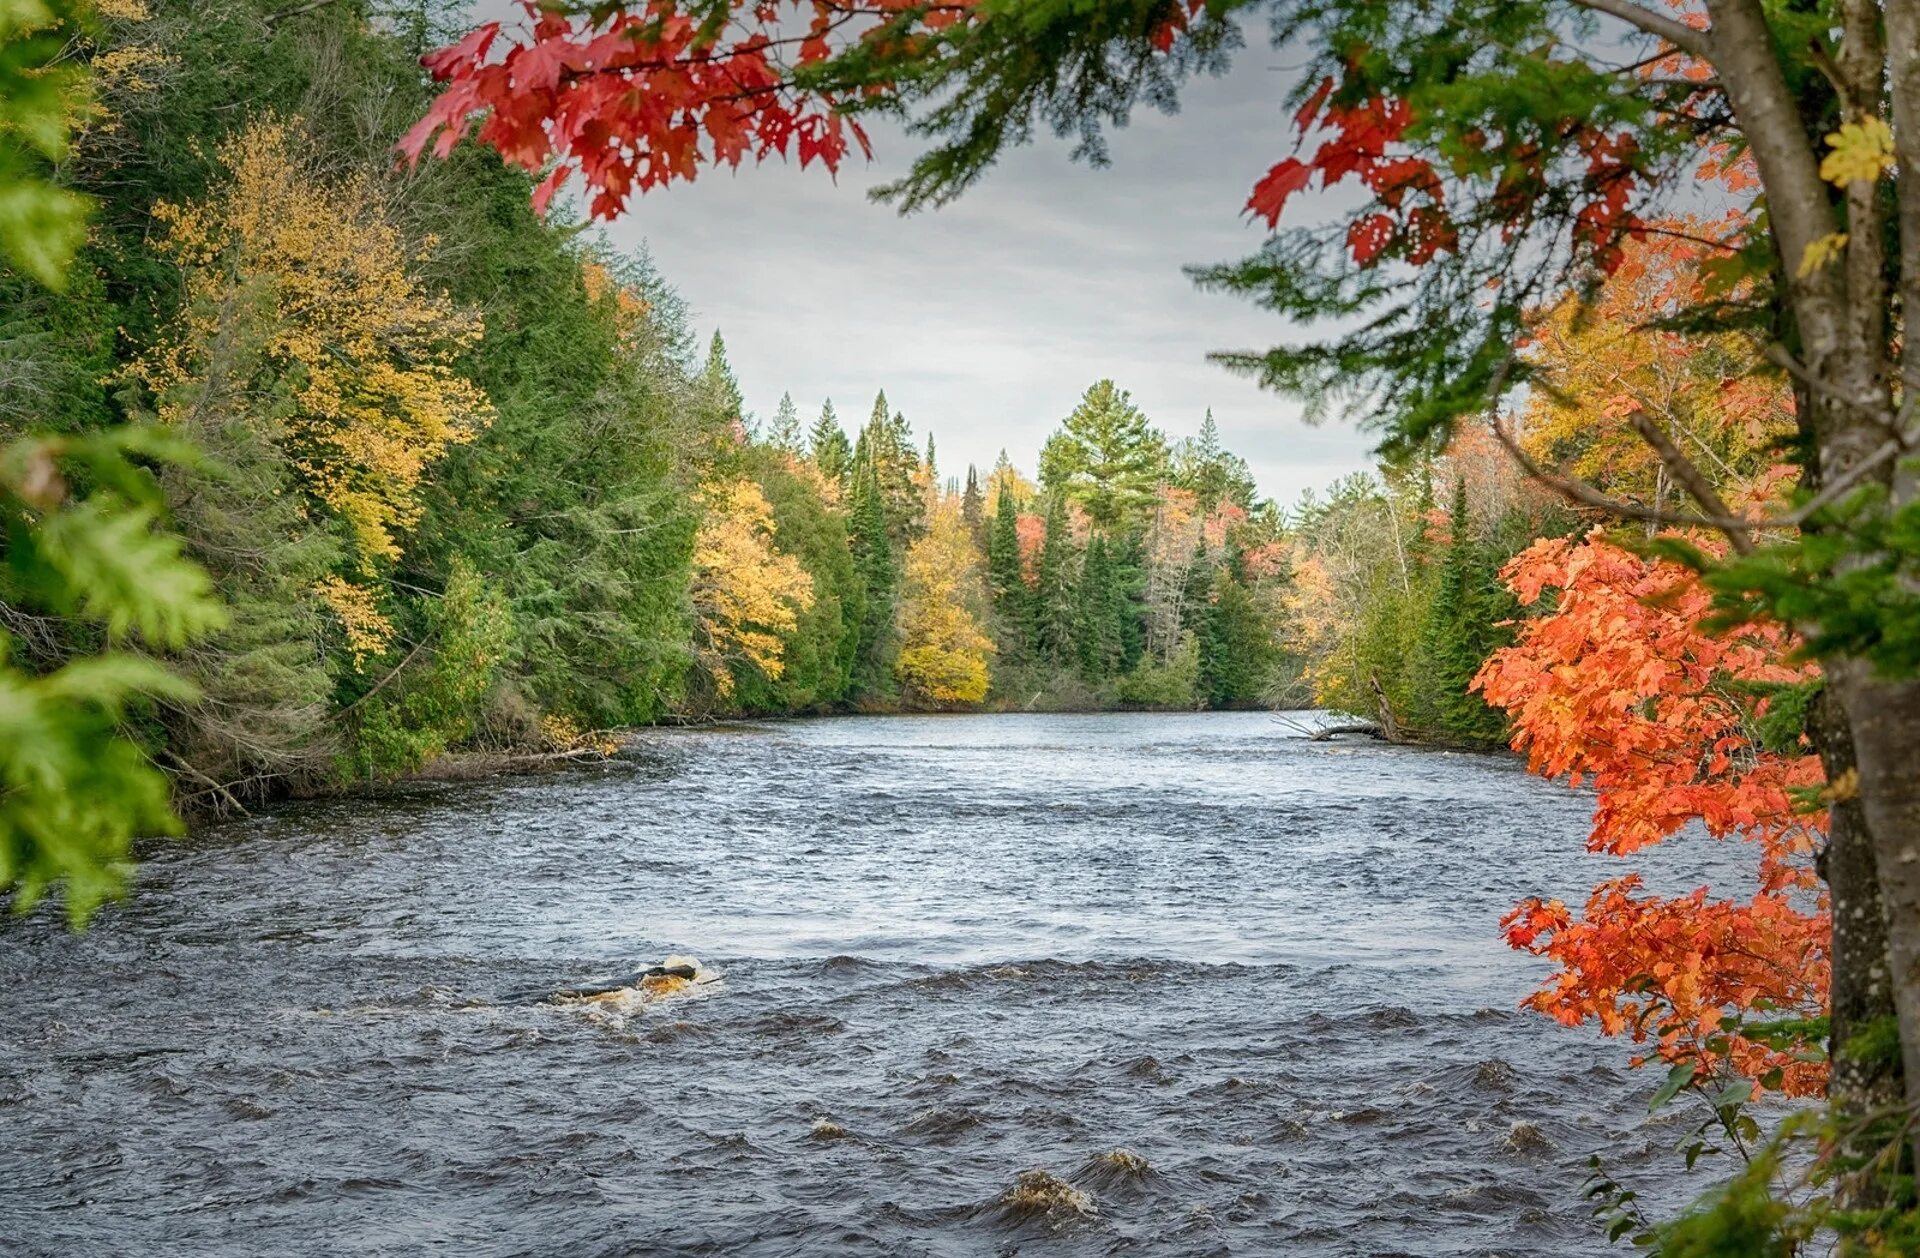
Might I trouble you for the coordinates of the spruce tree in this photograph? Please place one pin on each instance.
(873, 556)
(828, 444)
(1461, 631)
(1129, 607)
(1053, 601)
(973, 510)
(721, 388)
(1096, 649)
(1237, 651)
(1012, 601)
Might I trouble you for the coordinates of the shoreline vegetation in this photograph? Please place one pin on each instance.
(466, 484)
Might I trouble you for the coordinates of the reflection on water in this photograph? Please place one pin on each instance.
(1074, 985)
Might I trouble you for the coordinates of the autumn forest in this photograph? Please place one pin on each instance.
(341, 448)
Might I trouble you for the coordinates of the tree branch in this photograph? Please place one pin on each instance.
(1690, 477)
(1679, 34)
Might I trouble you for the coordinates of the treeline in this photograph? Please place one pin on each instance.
(1135, 572)
(463, 478)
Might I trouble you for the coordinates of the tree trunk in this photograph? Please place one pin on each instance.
(1883, 719)
(1864, 1080)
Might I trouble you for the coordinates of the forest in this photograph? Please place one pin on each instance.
(333, 443)
(462, 479)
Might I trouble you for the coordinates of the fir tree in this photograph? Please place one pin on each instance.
(886, 445)
(1096, 648)
(1237, 651)
(828, 445)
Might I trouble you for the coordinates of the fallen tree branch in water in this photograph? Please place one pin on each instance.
(1328, 733)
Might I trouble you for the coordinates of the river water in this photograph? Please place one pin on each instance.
(977, 945)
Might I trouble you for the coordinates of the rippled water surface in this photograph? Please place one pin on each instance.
(980, 945)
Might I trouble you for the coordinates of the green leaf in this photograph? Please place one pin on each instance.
(41, 228)
(1677, 1078)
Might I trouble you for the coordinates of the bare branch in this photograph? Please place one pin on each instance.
(1679, 34)
(1690, 477)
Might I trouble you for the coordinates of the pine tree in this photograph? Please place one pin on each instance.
(828, 444)
(1106, 457)
(784, 433)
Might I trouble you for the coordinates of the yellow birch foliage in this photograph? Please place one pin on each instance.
(1598, 365)
(943, 656)
(366, 356)
(747, 595)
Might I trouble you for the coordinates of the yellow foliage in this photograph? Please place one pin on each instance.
(747, 596)
(563, 733)
(356, 608)
(1862, 152)
(1598, 364)
(630, 309)
(366, 355)
(1822, 251)
(943, 655)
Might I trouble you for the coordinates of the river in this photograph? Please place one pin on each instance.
(975, 945)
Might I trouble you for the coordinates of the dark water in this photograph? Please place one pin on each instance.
(982, 945)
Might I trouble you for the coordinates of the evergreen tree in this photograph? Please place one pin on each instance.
(973, 510)
(1461, 631)
(1210, 472)
(1096, 645)
(828, 445)
(1196, 593)
(1237, 651)
(1053, 591)
(886, 445)
(784, 433)
(1106, 457)
(1012, 601)
(873, 557)
(1128, 560)
(721, 388)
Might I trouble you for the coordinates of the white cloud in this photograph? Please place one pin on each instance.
(985, 321)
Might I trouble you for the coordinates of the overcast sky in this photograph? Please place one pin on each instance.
(986, 320)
